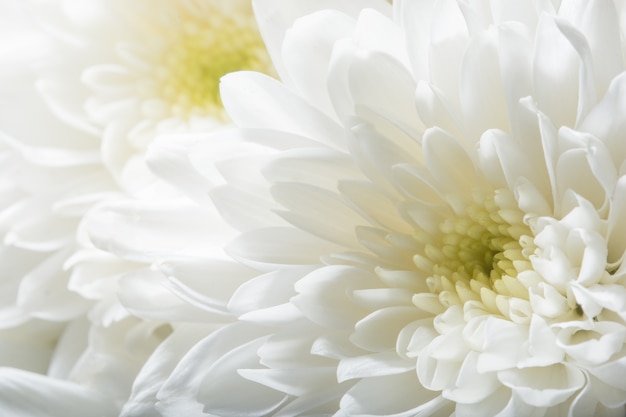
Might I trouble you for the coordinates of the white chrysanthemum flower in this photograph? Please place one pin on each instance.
(67, 329)
(54, 360)
(42, 188)
(439, 229)
(148, 66)
(52, 170)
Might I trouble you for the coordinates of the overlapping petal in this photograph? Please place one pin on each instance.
(439, 206)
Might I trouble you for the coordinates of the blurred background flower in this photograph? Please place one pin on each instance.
(146, 67)
(86, 87)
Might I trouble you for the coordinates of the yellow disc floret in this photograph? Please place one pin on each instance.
(200, 54)
(476, 258)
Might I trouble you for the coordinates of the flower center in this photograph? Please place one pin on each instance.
(200, 54)
(477, 257)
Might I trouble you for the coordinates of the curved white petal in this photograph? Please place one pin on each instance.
(276, 16)
(26, 393)
(543, 387)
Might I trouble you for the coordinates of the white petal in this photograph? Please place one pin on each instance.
(377, 32)
(373, 365)
(394, 396)
(436, 375)
(322, 400)
(108, 80)
(334, 346)
(610, 296)
(50, 156)
(244, 211)
(319, 212)
(158, 367)
(573, 173)
(377, 298)
(611, 373)
(31, 346)
(260, 300)
(542, 345)
(472, 385)
(490, 406)
(593, 263)
(547, 301)
(381, 83)
(43, 291)
(598, 158)
(416, 21)
(514, 162)
(142, 231)
(226, 378)
(205, 283)
(585, 403)
(414, 182)
(530, 199)
(266, 291)
(607, 395)
(29, 394)
(616, 241)
(502, 341)
(379, 331)
(296, 382)
(587, 95)
(523, 12)
(275, 16)
(435, 109)
(144, 294)
(595, 346)
(306, 53)
(325, 295)
(448, 39)
(601, 26)
(257, 101)
(448, 162)
(376, 155)
(544, 387)
(482, 97)
(47, 233)
(373, 204)
(168, 158)
(606, 120)
(319, 167)
(70, 346)
(294, 347)
(279, 246)
(213, 155)
(61, 105)
(94, 273)
(555, 74)
(207, 377)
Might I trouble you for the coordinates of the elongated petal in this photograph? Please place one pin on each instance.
(25, 393)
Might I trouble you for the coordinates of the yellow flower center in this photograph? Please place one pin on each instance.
(476, 259)
(200, 54)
